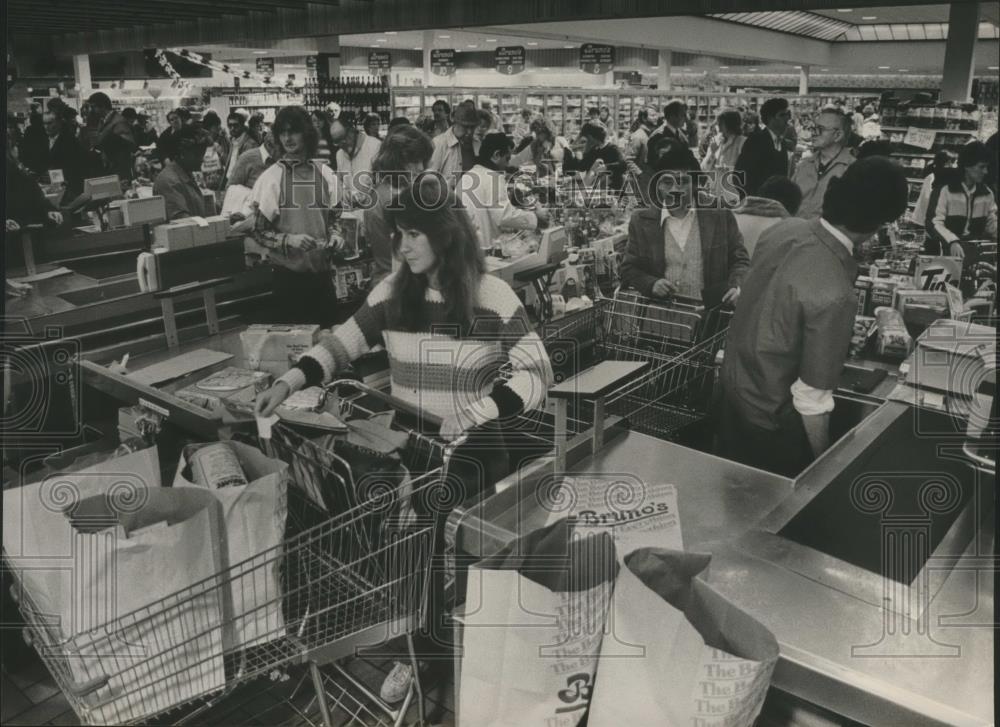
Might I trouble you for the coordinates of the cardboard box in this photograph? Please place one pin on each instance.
(274, 348)
(147, 210)
(176, 235)
(116, 217)
(954, 356)
(863, 288)
(203, 232)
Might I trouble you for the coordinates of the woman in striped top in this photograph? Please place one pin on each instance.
(459, 341)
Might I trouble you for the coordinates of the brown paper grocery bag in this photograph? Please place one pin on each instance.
(705, 662)
(254, 516)
(535, 614)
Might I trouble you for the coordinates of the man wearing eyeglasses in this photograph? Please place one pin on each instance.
(453, 152)
(830, 158)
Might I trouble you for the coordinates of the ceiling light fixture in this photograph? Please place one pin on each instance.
(845, 10)
(390, 32)
(824, 69)
(381, 40)
(904, 70)
(260, 52)
(869, 17)
(993, 68)
(532, 42)
(884, 68)
(723, 68)
(751, 69)
(471, 45)
(444, 37)
(417, 47)
(569, 46)
(491, 40)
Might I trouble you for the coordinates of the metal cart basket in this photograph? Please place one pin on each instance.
(348, 580)
(679, 338)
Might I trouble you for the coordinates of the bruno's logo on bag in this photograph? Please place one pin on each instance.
(577, 693)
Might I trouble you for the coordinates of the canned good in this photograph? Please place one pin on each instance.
(216, 465)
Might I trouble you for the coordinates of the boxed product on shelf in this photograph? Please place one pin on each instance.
(143, 210)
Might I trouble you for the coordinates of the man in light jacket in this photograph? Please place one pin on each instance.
(830, 158)
(483, 193)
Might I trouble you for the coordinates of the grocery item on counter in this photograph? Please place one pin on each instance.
(274, 348)
(893, 338)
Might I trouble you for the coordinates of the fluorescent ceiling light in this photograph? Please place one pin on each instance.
(845, 10)
(390, 32)
(993, 68)
(381, 40)
(491, 40)
(445, 37)
(904, 70)
(751, 69)
(654, 68)
(869, 17)
(260, 52)
(532, 42)
(569, 46)
(417, 47)
(884, 68)
(546, 69)
(723, 68)
(824, 69)
(797, 68)
(471, 45)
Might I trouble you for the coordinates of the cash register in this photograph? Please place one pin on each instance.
(552, 250)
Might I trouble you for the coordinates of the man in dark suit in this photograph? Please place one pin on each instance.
(764, 154)
(675, 118)
(114, 138)
(676, 248)
(64, 153)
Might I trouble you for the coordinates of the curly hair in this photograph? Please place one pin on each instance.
(428, 206)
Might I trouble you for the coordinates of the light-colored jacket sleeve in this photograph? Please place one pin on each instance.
(940, 213)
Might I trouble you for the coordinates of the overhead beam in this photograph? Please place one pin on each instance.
(352, 17)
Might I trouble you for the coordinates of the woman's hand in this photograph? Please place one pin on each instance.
(732, 295)
(663, 288)
(300, 242)
(12, 226)
(957, 251)
(55, 217)
(271, 399)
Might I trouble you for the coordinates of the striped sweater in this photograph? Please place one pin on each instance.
(500, 369)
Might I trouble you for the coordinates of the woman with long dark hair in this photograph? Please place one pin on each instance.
(295, 231)
(460, 346)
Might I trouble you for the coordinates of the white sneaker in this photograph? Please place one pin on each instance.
(397, 683)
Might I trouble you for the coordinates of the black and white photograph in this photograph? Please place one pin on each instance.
(451, 363)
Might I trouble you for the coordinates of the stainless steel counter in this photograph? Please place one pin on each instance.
(837, 650)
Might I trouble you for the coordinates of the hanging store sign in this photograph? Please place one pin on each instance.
(596, 58)
(379, 62)
(509, 59)
(265, 66)
(311, 63)
(920, 138)
(443, 61)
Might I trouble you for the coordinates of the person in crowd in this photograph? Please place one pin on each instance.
(453, 150)
(598, 157)
(764, 154)
(398, 121)
(790, 334)
(251, 164)
(67, 115)
(257, 128)
(326, 150)
(671, 130)
(604, 116)
(32, 152)
(777, 199)
(295, 232)
(938, 172)
(176, 120)
(483, 193)
(830, 159)
(356, 151)
(482, 129)
(872, 127)
(645, 121)
(691, 128)
(441, 112)
(964, 209)
(874, 148)
(215, 163)
(676, 248)
(240, 141)
(724, 149)
(26, 204)
(65, 153)
(132, 117)
(145, 134)
(114, 137)
(405, 153)
(522, 128)
(442, 288)
(543, 147)
(176, 183)
(372, 126)
(993, 178)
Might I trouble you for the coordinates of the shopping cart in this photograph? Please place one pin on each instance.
(679, 338)
(349, 580)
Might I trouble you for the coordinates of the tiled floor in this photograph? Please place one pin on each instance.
(30, 696)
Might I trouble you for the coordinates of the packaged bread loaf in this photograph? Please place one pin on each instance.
(893, 338)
